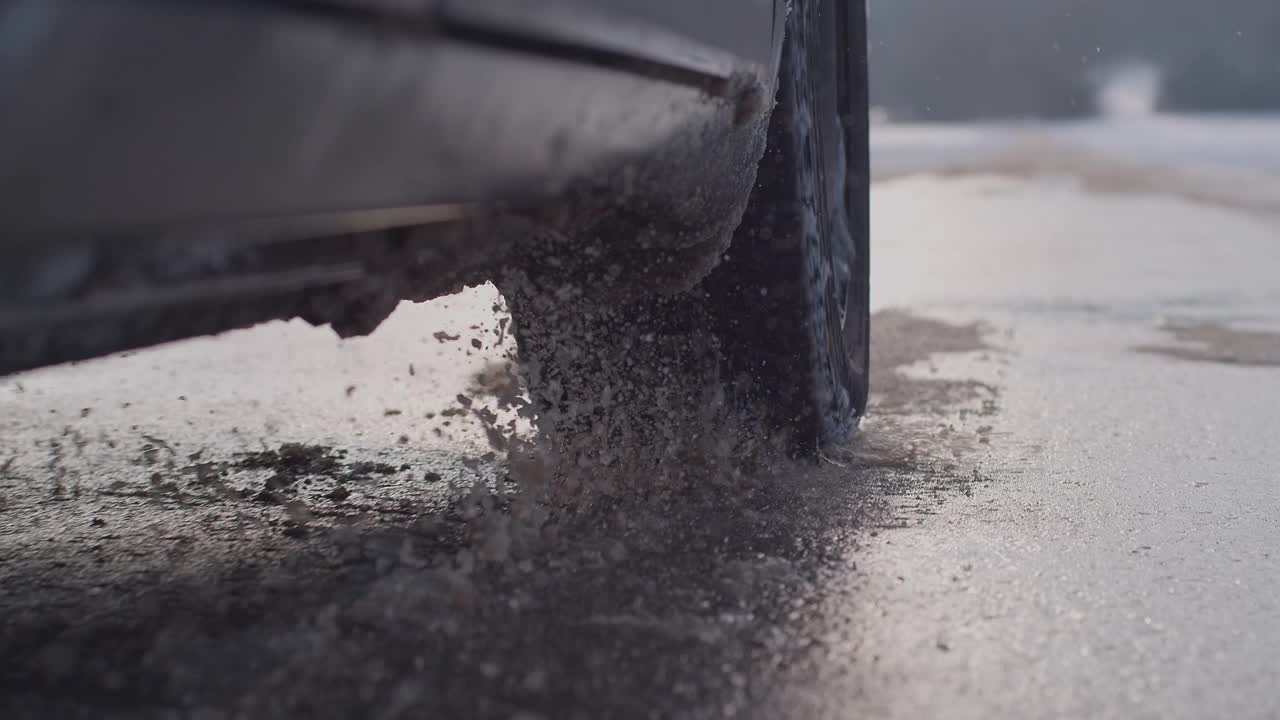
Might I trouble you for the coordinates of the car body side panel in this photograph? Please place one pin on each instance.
(136, 114)
(715, 37)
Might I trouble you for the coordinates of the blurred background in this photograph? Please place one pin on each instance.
(937, 60)
(1174, 97)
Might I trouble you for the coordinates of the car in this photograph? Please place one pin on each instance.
(626, 171)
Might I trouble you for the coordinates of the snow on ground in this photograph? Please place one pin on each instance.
(1227, 160)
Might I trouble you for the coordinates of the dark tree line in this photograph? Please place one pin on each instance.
(960, 59)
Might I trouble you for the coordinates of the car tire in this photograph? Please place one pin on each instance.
(792, 298)
(774, 339)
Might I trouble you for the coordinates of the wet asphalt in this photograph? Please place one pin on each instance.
(1061, 505)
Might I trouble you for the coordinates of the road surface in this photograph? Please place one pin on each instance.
(1062, 504)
